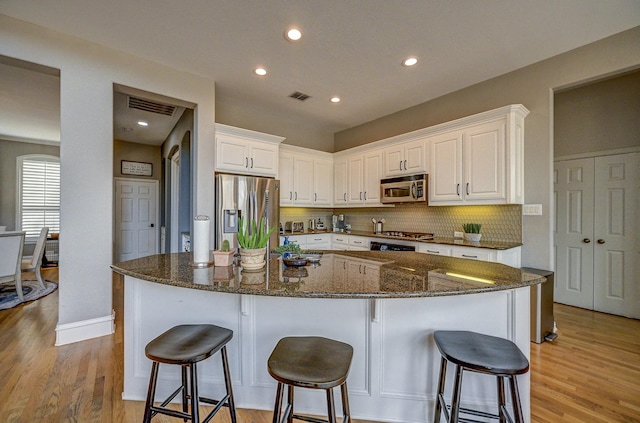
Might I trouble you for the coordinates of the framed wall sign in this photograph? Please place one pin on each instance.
(136, 168)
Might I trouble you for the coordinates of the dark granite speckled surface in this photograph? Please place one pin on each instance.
(340, 274)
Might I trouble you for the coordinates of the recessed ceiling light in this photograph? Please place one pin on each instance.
(293, 34)
(260, 71)
(409, 61)
(335, 99)
(143, 123)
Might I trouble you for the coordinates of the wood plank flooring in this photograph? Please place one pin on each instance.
(591, 373)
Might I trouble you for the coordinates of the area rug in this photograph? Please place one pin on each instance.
(31, 290)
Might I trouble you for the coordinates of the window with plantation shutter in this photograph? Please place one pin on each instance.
(39, 194)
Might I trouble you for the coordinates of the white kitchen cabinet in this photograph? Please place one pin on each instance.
(340, 182)
(305, 177)
(246, 152)
(363, 178)
(359, 243)
(510, 257)
(319, 241)
(301, 240)
(405, 159)
(434, 249)
(339, 242)
(479, 163)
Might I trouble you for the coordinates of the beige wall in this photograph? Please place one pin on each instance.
(604, 115)
(9, 152)
(296, 132)
(134, 152)
(532, 86)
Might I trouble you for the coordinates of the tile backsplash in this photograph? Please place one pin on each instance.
(499, 223)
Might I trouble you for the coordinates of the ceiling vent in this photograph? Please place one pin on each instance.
(151, 106)
(299, 96)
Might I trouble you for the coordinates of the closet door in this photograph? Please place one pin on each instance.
(574, 183)
(616, 225)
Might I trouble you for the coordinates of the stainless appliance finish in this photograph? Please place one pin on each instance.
(387, 246)
(404, 189)
(418, 236)
(542, 320)
(249, 197)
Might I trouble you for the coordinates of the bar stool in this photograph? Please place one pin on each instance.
(482, 354)
(310, 362)
(186, 345)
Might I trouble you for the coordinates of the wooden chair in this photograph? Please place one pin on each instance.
(11, 244)
(34, 263)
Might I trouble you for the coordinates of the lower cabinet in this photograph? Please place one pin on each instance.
(510, 257)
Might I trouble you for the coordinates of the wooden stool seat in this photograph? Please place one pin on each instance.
(186, 345)
(482, 354)
(310, 362)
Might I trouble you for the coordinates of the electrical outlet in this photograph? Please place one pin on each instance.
(532, 210)
(457, 234)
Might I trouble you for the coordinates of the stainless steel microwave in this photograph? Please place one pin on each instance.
(404, 189)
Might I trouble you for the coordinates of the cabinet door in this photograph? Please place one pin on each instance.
(285, 174)
(322, 182)
(302, 180)
(484, 162)
(371, 177)
(394, 161)
(340, 180)
(232, 154)
(355, 194)
(414, 157)
(445, 178)
(263, 159)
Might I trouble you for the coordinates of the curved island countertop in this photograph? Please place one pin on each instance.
(343, 274)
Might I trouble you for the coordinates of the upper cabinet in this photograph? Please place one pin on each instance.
(363, 175)
(407, 158)
(246, 152)
(306, 177)
(480, 161)
(340, 182)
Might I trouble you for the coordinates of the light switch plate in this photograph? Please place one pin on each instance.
(457, 234)
(532, 210)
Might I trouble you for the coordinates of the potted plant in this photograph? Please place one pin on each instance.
(223, 257)
(253, 243)
(472, 231)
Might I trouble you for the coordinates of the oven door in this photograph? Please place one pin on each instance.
(385, 246)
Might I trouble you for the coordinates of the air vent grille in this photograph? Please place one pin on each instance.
(299, 96)
(151, 106)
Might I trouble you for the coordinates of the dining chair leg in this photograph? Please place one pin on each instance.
(39, 276)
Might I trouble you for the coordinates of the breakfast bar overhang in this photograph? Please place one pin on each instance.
(385, 304)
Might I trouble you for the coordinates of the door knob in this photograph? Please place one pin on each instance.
(601, 241)
(586, 240)
(153, 226)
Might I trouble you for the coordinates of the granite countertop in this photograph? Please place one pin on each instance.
(339, 274)
(493, 245)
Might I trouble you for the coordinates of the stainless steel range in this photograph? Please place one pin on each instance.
(418, 236)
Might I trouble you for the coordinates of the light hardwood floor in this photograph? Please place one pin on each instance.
(590, 374)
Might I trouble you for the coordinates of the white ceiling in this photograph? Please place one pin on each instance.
(350, 48)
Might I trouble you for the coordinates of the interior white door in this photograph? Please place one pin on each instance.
(616, 217)
(136, 218)
(573, 191)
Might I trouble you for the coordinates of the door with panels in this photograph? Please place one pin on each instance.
(595, 233)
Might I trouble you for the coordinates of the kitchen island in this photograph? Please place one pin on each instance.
(385, 304)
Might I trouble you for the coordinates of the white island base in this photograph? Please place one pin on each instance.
(395, 365)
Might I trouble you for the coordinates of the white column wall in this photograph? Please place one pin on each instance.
(87, 74)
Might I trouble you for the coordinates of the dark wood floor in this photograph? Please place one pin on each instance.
(590, 374)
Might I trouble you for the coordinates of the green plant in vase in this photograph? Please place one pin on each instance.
(253, 238)
(472, 231)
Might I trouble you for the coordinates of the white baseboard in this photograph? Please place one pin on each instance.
(86, 329)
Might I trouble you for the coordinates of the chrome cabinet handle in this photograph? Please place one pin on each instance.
(290, 195)
(467, 188)
(315, 197)
(400, 164)
(458, 190)
(405, 165)
(252, 163)
(296, 195)
(345, 196)
(464, 255)
(586, 240)
(365, 196)
(433, 252)
(601, 241)
(361, 195)
(246, 162)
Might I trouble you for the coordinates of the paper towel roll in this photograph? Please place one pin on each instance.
(200, 244)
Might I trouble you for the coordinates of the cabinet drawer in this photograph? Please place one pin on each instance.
(356, 241)
(434, 249)
(340, 239)
(318, 239)
(473, 254)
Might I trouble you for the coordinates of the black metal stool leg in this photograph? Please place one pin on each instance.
(515, 398)
(151, 394)
(277, 408)
(455, 398)
(441, 380)
(502, 403)
(227, 381)
(290, 406)
(195, 418)
(331, 408)
(346, 412)
(185, 392)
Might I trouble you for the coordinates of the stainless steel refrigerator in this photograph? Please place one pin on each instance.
(248, 197)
